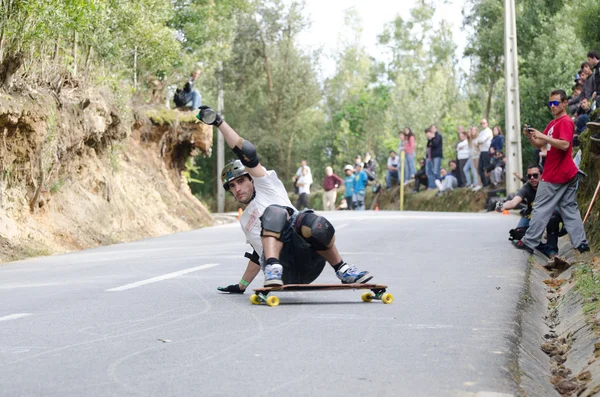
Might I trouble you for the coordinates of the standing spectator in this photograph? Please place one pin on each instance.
(463, 154)
(370, 167)
(304, 183)
(189, 96)
(582, 117)
(421, 176)
(409, 145)
(594, 60)
(575, 98)
(393, 164)
(484, 141)
(299, 174)
(498, 139)
(358, 159)
(349, 185)
(473, 133)
(330, 184)
(434, 155)
(558, 184)
(360, 187)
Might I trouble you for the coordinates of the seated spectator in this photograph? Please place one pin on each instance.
(421, 176)
(526, 195)
(449, 180)
(393, 163)
(343, 205)
(495, 171)
(575, 99)
(582, 117)
(188, 97)
(370, 167)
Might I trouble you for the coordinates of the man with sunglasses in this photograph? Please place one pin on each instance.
(526, 195)
(558, 185)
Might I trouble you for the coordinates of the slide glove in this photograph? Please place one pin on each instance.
(232, 289)
(209, 116)
(499, 205)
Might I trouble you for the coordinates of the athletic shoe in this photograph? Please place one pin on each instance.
(584, 247)
(478, 187)
(546, 251)
(593, 126)
(349, 274)
(520, 245)
(273, 275)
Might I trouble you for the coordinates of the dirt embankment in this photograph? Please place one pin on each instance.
(77, 171)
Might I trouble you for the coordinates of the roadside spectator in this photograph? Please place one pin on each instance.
(593, 59)
(473, 133)
(448, 180)
(463, 153)
(358, 159)
(526, 195)
(434, 155)
(304, 183)
(370, 167)
(360, 187)
(189, 96)
(498, 139)
(484, 141)
(299, 174)
(409, 145)
(558, 185)
(582, 117)
(421, 176)
(330, 184)
(393, 164)
(495, 171)
(349, 185)
(575, 98)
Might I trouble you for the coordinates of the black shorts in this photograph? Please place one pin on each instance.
(301, 262)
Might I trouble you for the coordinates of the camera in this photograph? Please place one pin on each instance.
(528, 128)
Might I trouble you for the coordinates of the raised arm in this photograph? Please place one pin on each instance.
(244, 149)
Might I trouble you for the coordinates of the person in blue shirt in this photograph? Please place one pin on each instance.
(349, 184)
(360, 187)
(498, 139)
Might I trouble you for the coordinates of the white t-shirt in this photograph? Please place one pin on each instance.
(304, 183)
(463, 151)
(269, 190)
(393, 163)
(484, 139)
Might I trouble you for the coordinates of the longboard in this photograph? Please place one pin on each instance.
(261, 295)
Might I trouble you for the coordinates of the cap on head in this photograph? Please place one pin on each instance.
(348, 168)
(232, 170)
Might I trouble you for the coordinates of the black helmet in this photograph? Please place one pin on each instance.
(232, 170)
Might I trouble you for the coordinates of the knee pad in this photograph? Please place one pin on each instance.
(317, 231)
(273, 221)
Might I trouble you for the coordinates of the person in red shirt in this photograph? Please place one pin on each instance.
(330, 184)
(558, 186)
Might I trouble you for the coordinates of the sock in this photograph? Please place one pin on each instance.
(337, 267)
(272, 261)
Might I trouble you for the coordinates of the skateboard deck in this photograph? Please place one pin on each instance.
(378, 292)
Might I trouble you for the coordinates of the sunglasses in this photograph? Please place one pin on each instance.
(534, 176)
(553, 103)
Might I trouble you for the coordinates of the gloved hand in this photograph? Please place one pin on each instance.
(232, 289)
(499, 205)
(209, 116)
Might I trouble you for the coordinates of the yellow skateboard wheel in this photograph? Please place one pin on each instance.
(273, 301)
(254, 299)
(367, 297)
(387, 298)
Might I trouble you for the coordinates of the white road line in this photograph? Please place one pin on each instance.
(161, 278)
(15, 316)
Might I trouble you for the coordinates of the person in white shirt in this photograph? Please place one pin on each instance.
(393, 165)
(290, 246)
(463, 154)
(303, 183)
(484, 141)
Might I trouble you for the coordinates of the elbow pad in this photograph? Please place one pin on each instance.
(246, 152)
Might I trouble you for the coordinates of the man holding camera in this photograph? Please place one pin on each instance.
(558, 185)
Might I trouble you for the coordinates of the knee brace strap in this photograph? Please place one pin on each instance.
(317, 231)
(273, 221)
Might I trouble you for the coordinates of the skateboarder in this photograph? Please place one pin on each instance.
(289, 246)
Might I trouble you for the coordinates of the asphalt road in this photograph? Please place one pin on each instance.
(145, 319)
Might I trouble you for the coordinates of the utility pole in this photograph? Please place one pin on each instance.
(514, 162)
(220, 143)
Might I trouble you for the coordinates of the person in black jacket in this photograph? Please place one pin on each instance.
(189, 96)
(421, 176)
(434, 155)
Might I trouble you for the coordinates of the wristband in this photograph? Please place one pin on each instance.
(244, 283)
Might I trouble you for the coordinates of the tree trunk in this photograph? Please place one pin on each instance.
(491, 85)
(88, 59)
(74, 53)
(56, 49)
(135, 68)
(9, 66)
